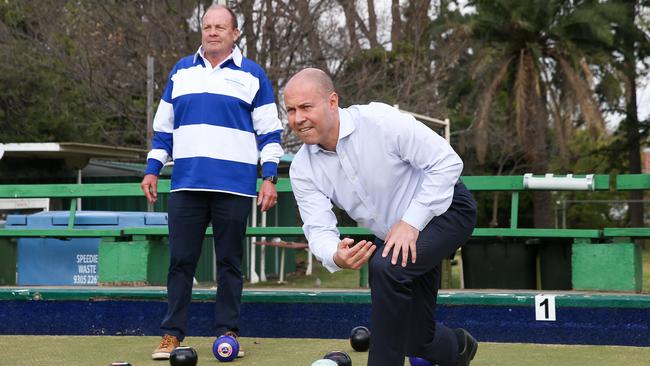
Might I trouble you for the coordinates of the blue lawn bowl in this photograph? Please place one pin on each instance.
(417, 361)
(225, 348)
(120, 363)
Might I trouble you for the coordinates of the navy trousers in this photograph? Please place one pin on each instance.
(403, 317)
(190, 212)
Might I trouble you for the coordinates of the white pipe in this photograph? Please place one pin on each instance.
(550, 182)
(254, 277)
(79, 182)
(263, 251)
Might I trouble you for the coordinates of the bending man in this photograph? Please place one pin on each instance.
(398, 178)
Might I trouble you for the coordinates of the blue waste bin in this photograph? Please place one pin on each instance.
(73, 262)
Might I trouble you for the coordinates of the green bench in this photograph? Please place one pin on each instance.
(123, 251)
(127, 239)
(129, 266)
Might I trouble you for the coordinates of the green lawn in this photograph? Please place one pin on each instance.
(102, 350)
(321, 277)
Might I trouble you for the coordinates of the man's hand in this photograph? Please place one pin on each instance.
(149, 186)
(401, 238)
(268, 196)
(353, 257)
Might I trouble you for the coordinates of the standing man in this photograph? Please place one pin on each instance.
(398, 178)
(216, 116)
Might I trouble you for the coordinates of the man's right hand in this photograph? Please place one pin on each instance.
(353, 256)
(149, 186)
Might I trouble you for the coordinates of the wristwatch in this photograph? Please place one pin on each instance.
(272, 178)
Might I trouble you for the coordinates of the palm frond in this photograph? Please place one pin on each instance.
(592, 115)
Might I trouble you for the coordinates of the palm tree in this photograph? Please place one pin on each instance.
(538, 52)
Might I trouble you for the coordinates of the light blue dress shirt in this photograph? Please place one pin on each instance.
(387, 167)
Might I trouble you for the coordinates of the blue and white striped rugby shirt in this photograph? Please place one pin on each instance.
(215, 123)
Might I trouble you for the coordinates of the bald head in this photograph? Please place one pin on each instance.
(312, 78)
(313, 108)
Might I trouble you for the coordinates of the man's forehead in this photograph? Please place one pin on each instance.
(217, 16)
(301, 93)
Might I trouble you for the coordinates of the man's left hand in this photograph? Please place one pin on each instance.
(268, 196)
(401, 238)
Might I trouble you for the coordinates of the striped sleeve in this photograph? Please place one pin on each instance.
(268, 128)
(163, 128)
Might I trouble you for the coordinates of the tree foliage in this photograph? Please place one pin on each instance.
(522, 81)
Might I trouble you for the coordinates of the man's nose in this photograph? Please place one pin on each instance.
(298, 117)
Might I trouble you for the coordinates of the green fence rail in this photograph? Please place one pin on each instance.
(514, 185)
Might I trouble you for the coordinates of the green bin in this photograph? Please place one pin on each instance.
(500, 263)
(555, 263)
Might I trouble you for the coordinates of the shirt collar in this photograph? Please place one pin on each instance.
(235, 55)
(346, 127)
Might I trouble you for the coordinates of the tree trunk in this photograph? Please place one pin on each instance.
(372, 24)
(351, 23)
(535, 132)
(396, 27)
(631, 121)
(248, 29)
(417, 17)
(309, 29)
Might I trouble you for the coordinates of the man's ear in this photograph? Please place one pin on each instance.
(334, 100)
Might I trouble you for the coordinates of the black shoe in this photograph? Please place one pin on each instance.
(471, 346)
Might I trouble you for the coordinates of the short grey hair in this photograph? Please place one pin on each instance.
(235, 25)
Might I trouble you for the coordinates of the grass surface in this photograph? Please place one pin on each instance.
(321, 277)
(102, 350)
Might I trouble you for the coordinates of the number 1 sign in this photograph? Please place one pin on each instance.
(545, 308)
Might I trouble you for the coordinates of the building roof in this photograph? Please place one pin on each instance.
(75, 154)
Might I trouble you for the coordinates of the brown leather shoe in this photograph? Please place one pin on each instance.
(234, 335)
(167, 344)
